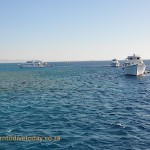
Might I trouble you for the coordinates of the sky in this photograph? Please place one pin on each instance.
(74, 30)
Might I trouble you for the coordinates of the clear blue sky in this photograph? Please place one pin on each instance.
(64, 30)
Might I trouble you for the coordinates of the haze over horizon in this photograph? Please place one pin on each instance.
(80, 30)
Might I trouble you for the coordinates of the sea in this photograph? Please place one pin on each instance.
(73, 106)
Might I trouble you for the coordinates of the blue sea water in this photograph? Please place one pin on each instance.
(89, 105)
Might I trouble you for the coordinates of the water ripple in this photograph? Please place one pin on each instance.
(89, 106)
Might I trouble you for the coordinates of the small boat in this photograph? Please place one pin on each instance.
(33, 64)
(115, 63)
(134, 66)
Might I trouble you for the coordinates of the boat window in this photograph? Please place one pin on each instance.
(130, 58)
(138, 58)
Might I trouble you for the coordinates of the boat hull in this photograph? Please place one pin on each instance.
(30, 66)
(115, 64)
(136, 69)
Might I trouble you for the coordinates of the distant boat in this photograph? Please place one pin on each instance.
(115, 63)
(33, 64)
(134, 66)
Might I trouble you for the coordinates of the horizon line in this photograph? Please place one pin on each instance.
(21, 61)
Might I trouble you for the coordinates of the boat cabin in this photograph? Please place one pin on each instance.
(133, 59)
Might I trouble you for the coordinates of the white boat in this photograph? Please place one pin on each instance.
(33, 64)
(134, 65)
(115, 63)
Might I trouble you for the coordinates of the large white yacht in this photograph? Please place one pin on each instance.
(115, 63)
(134, 65)
(33, 64)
